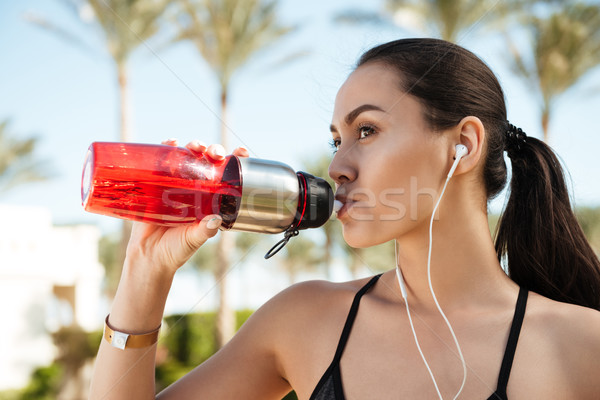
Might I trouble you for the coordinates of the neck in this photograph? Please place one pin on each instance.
(464, 265)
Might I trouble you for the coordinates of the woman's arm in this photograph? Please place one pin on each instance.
(154, 254)
(248, 366)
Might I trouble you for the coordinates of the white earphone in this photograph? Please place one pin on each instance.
(461, 151)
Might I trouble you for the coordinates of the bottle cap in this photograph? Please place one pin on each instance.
(316, 201)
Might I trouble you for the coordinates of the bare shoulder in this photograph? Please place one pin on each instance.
(306, 322)
(317, 291)
(573, 334)
(270, 353)
(310, 302)
(303, 312)
(564, 321)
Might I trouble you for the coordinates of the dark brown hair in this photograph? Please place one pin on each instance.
(546, 249)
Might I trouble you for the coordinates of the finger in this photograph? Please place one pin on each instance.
(197, 146)
(170, 142)
(216, 152)
(201, 232)
(241, 152)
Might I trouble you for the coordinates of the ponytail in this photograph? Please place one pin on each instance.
(546, 249)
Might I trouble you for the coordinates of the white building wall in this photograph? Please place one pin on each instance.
(34, 257)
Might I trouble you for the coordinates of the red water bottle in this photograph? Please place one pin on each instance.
(170, 185)
(158, 184)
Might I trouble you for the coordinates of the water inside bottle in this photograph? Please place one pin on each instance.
(159, 184)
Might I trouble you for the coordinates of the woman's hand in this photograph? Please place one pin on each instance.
(154, 254)
(168, 248)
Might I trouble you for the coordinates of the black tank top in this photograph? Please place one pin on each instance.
(330, 385)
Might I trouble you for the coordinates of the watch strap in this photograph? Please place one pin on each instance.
(123, 340)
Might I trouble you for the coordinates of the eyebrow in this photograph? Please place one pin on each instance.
(352, 115)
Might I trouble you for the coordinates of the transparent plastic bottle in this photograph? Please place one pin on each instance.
(170, 185)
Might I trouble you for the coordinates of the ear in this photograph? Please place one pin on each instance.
(471, 133)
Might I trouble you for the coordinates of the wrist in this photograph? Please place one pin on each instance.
(140, 298)
(149, 263)
(147, 271)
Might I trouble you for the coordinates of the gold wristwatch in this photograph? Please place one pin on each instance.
(122, 340)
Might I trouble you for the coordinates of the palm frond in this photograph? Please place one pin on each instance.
(228, 33)
(62, 34)
(356, 16)
(564, 47)
(450, 20)
(18, 162)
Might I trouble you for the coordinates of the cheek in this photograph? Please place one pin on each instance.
(398, 179)
(396, 188)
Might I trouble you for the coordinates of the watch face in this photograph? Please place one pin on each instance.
(119, 340)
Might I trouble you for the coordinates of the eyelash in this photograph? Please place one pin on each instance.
(335, 143)
(371, 128)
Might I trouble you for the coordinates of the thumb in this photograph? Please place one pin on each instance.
(204, 230)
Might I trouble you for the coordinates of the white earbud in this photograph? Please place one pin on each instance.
(461, 151)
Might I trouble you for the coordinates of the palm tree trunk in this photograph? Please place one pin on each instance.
(124, 133)
(125, 235)
(224, 99)
(225, 323)
(225, 318)
(124, 136)
(545, 123)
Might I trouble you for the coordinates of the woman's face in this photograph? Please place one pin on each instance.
(389, 165)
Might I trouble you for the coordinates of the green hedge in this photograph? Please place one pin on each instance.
(189, 340)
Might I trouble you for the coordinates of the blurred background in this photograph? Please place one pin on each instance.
(257, 73)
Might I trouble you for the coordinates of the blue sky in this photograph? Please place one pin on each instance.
(68, 97)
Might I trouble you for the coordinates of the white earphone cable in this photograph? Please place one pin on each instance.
(460, 354)
(401, 283)
(412, 327)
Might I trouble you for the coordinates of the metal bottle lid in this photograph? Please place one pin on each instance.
(270, 195)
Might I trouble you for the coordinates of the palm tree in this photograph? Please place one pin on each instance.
(108, 255)
(18, 164)
(75, 348)
(124, 26)
(445, 19)
(228, 33)
(589, 218)
(319, 166)
(565, 46)
(300, 254)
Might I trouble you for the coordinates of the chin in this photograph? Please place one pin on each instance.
(361, 238)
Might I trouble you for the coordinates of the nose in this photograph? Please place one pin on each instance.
(341, 169)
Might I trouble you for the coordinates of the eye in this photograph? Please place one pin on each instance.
(365, 131)
(335, 144)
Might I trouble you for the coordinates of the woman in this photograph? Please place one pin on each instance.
(397, 121)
